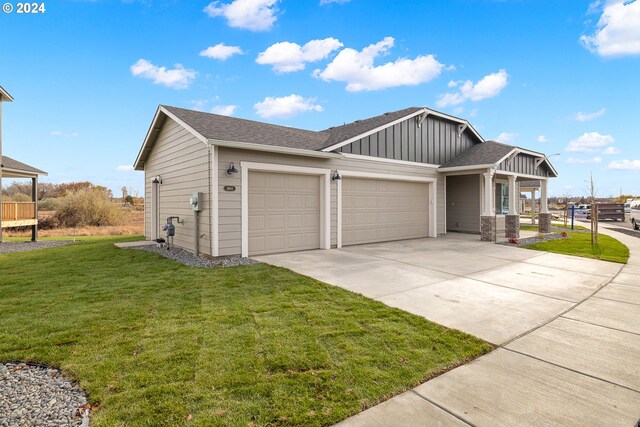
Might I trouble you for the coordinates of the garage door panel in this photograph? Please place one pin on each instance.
(289, 220)
(382, 210)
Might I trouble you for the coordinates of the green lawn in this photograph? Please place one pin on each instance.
(156, 343)
(608, 248)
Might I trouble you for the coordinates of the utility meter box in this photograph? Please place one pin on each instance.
(196, 202)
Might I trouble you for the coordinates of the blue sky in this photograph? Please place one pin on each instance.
(551, 76)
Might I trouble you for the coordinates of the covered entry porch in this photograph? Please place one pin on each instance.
(483, 190)
(19, 213)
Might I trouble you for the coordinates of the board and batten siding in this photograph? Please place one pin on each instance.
(183, 163)
(229, 211)
(435, 142)
(524, 164)
(463, 203)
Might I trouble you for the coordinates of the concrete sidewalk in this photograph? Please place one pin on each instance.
(582, 368)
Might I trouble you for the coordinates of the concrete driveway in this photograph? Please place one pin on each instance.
(567, 329)
(491, 291)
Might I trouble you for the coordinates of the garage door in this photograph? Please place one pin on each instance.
(381, 210)
(284, 212)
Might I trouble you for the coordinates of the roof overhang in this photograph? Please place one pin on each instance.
(465, 168)
(4, 95)
(274, 149)
(153, 132)
(18, 173)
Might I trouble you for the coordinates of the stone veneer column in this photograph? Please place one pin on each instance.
(512, 226)
(488, 228)
(544, 218)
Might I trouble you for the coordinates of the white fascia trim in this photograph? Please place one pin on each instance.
(215, 203)
(273, 149)
(372, 131)
(325, 199)
(384, 160)
(456, 119)
(513, 152)
(541, 156)
(522, 175)
(465, 168)
(156, 117)
(23, 174)
(4, 95)
(390, 177)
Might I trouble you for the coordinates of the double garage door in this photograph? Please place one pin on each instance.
(284, 211)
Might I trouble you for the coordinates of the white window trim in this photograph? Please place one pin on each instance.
(432, 188)
(215, 203)
(325, 197)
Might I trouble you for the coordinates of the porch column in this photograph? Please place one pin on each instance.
(533, 207)
(544, 225)
(488, 219)
(34, 198)
(512, 220)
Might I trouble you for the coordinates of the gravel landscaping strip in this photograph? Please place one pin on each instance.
(10, 247)
(188, 258)
(39, 396)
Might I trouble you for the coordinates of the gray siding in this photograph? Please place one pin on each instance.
(183, 163)
(463, 203)
(524, 164)
(230, 225)
(435, 142)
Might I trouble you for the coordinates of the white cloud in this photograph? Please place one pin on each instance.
(356, 68)
(285, 107)
(473, 112)
(618, 30)
(507, 138)
(326, 2)
(221, 51)
(573, 160)
(198, 104)
(611, 150)
(224, 110)
(286, 57)
(585, 117)
(589, 142)
(177, 78)
(625, 165)
(542, 138)
(254, 15)
(125, 168)
(487, 87)
(64, 134)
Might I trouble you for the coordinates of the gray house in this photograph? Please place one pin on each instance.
(264, 188)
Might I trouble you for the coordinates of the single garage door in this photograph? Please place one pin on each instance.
(284, 212)
(376, 210)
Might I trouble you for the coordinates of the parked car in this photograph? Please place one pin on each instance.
(627, 208)
(635, 219)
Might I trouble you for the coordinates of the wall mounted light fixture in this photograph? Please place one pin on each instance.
(231, 169)
(157, 180)
(336, 176)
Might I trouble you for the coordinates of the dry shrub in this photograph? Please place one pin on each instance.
(17, 197)
(88, 207)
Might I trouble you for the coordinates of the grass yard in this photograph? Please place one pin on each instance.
(156, 343)
(607, 249)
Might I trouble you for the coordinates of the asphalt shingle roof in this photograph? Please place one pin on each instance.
(9, 163)
(338, 134)
(485, 153)
(223, 128)
(530, 184)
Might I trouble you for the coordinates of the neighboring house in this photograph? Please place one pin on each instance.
(266, 188)
(17, 214)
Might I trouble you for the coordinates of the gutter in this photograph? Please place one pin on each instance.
(274, 149)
